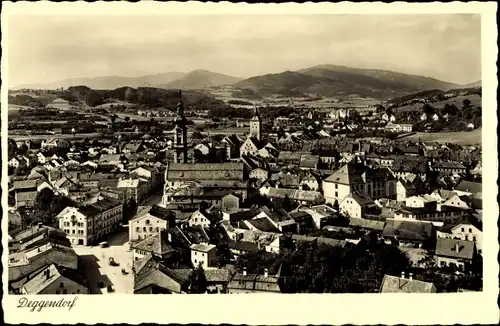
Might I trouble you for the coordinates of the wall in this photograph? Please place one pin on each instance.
(333, 193)
(150, 228)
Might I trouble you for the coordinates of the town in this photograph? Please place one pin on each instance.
(178, 192)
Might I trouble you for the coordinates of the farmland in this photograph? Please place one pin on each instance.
(458, 101)
(463, 138)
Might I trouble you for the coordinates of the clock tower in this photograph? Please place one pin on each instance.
(180, 134)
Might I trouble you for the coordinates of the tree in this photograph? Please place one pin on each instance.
(466, 103)
(428, 109)
(198, 280)
(336, 206)
(127, 119)
(93, 98)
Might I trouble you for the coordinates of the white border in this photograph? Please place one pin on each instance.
(463, 308)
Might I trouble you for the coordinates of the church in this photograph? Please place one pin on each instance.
(207, 176)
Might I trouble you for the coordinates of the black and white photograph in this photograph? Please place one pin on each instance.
(223, 154)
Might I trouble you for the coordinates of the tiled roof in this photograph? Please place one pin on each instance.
(202, 247)
(454, 248)
(411, 230)
(257, 283)
(40, 281)
(395, 284)
(157, 244)
(26, 196)
(205, 171)
(367, 224)
(26, 184)
(262, 224)
(469, 186)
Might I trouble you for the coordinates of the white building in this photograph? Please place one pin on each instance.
(204, 254)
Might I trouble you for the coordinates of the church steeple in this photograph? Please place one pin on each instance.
(180, 135)
(256, 125)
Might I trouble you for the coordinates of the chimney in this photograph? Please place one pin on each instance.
(39, 225)
(402, 274)
(457, 247)
(265, 272)
(244, 271)
(411, 276)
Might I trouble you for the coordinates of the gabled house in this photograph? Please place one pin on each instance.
(455, 252)
(355, 205)
(395, 284)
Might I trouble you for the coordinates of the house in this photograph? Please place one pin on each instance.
(309, 182)
(133, 189)
(396, 284)
(355, 205)
(259, 174)
(423, 117)
(455, 201)
(55, 279)
(308, 162)
(54, 142)
(198, 219)
(376, 183)
(319, 213)
(204, 255)
(409, 233)
(404, 189)
(230, 203)
(90, 224)
(366, 225)
(304, 197)
(454, 253)
(251, 146)
(33, 258)
(41, 158)
(435, 117)
(152, 276)
(432, 212)
(448, 167)
(469, 232)
(148, 223)
(216, 278)
(253, 283)
(468, 188)
(158, 245)
(19, 161)
(110, 159)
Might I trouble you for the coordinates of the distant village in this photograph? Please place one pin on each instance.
(293, 205)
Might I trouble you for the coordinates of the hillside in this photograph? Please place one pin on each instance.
(198, 79)
(331, 80)
(109, 82)
(478, 83)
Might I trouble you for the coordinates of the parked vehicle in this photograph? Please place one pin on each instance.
(112, 262)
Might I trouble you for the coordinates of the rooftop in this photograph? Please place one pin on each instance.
(395, 284)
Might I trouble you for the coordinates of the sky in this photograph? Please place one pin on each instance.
(45, 48)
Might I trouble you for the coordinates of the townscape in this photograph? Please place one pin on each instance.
(327, 179)
(159, 210)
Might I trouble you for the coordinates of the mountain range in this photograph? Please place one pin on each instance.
(322, 80)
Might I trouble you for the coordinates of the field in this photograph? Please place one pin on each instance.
(458, 101)
(461, 138)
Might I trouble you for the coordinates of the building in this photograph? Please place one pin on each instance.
(90, 224)
(256, 126)
(152, 276)
(376, 183)
(198, 219)
(454, 252)
(149, 223)
(55, 279)
(205, 176)
(469, 232)
(157, 245)
(254, 283)
(395, 284)
(180, 134)
(204, 255)
(355, 205)
(409, 233)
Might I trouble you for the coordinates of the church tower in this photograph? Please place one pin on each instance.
(180, 136)
(256, 126)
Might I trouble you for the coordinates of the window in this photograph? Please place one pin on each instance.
(61, 285)
(150, 229)
(144, 229)
(147, 222)
(463, 229)
(336, 186)
(470, 230)
(157, 229)
(195, 261)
